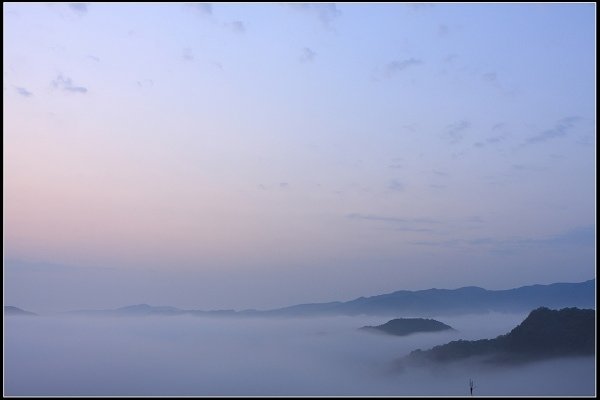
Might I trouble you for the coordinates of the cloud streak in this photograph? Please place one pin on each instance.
(326, 13)
(395, 66)
(455, 131)
(398, 224)
(396, 186)
(308, 55)
(202, 8)
(500, 135)
(66, 84)
(237, 27)
(79, 8)
(188, 54)
(443, 30)
(582, 236)
(372, 217)
(578, 236)
(490, 77)
(23, 92)
(560, 129)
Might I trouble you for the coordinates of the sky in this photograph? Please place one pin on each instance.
(241, 156)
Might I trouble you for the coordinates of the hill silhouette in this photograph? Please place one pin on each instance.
(16, 311)
(420, 303)
(466, 300)
(543, 334)
(406, 326)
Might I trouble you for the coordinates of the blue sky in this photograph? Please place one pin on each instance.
(258, 155)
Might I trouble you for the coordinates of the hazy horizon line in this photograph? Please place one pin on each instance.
(296, 304)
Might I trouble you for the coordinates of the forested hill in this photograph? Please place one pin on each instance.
(543, 334)
(407, 326)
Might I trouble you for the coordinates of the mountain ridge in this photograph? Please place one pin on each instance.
(421, 303)
(544, 333)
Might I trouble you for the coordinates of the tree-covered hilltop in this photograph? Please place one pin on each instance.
(544, 333)
(406, 326)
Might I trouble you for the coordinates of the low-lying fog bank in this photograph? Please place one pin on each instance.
(229, 356)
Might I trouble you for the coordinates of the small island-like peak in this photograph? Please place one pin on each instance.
(407, 326)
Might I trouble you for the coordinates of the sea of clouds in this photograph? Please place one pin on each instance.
(207, 356)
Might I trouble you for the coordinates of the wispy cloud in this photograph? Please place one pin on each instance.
(396, 163)
(237, 27)
(580, 236)
(66, 84)
(396, 66)
(145, 83)
(23, 92)
(562, 128)
(409, 229)
(217, 65)
(443, 30)
(399, 224)
(274, 186)
(473, 219)
(440, 173)
(495, 139)
(490, 76)
(420, 6)
(450, 58)
(587, 140)
(202, 8)
(326, 13)
(396, 186)
(308, 55)
(373, 217)
(500, 134)
(79, 8)
(524, 167)
(437, 187)
(455, 131)
(437, 243)
(188, 55)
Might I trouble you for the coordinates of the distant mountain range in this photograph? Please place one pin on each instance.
(407, 326)
(543, 334)
(144, 310)
(15, 311)
(421, 303)
(466, 300)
